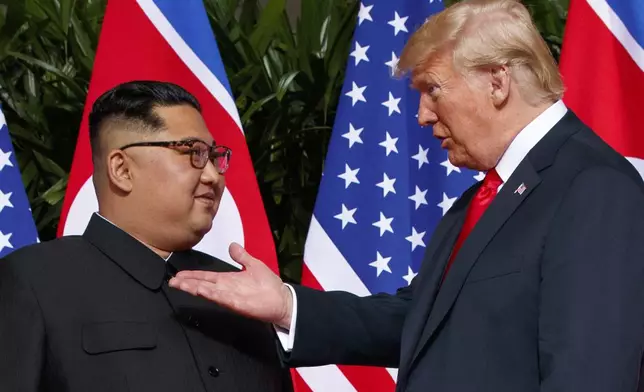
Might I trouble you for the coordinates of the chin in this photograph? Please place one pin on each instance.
(463, 161)
(203, 225)
(456, 159)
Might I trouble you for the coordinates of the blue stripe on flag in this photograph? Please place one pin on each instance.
(189, 19)
(631, 13)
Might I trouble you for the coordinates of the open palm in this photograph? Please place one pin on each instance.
(254, 292)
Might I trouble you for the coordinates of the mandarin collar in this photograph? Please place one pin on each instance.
(130, 254)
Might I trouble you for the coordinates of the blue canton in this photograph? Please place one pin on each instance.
(17, 227)
(387, 182)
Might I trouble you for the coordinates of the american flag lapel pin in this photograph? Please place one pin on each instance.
(520, 189)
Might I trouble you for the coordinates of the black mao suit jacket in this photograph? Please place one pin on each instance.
(94, 313)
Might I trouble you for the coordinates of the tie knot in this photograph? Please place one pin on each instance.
(492, 179)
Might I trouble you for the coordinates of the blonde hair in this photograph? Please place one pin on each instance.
(486, 33)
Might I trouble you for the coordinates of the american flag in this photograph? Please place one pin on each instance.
(386, 181)
(17, 228)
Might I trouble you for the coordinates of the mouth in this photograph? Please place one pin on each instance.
(444, 143)
(207, 198)
(441, 138)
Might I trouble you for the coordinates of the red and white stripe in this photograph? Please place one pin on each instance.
(138, 42)
(191, 60)
(325, 268)
(619, 30)
(603, 70)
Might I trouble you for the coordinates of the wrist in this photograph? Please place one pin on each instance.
(287, 313)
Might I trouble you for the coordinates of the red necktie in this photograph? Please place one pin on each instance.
(482, 199)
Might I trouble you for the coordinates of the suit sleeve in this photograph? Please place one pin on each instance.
(591, 311)
(341, 328)
(22, 337)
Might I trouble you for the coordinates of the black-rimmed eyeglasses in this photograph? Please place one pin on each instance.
(200, 152)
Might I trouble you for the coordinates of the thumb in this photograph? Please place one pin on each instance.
(239, 254)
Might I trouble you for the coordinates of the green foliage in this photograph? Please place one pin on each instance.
(286, 81)
(46, 55)
(550, 17)
(286, 78)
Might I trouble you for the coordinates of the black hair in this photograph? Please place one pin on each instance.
(133, 104)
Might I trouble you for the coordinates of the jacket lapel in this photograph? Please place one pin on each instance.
(504, 204)
(426, 285)
(518, 187)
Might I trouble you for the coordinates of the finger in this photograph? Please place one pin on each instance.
(239, 254)
(190, 286)
(208, 276)
(200, 288)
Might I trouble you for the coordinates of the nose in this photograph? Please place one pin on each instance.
(210, 176)
(426, 114)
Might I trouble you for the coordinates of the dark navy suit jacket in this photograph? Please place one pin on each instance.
(546, 294)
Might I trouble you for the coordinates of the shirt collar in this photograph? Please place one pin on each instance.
(528, 137)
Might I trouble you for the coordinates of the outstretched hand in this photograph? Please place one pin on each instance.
(254, 292)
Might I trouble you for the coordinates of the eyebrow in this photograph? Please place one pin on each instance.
(195, 139)
(420, 82)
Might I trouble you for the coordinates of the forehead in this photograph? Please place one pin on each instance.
(434, 70)
(182, 122)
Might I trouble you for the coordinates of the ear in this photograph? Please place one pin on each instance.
(119, 170)
(500, 83)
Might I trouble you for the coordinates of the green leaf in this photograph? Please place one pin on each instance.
(14, 17)
(56, 193)
(50, 219)
(29, 173)
(48, 165)
(285, 84)
(50, 10)
(247, 18)
(268, 24)
(66, 7)
(84, 42)
(27, 138)
(255, 107)
(39, 63)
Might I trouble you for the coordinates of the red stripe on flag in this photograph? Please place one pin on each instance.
(604, 86)
(363, 378)
(299, 385)
(130, 48)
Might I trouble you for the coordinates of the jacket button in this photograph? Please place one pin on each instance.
(213, 371)
(193, 321)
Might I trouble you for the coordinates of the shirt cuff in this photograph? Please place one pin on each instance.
(287, 337)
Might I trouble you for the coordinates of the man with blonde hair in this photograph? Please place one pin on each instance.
(533, 281)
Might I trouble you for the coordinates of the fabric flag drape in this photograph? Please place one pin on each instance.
(17, 227)
(386, 181)
(172, 41)
(602, 63)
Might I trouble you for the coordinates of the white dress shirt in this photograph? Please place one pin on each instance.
(527, 138)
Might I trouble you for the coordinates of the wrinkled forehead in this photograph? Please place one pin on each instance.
(431, 70)
(184, 122)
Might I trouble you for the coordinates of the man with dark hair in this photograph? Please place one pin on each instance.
(94, 312)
